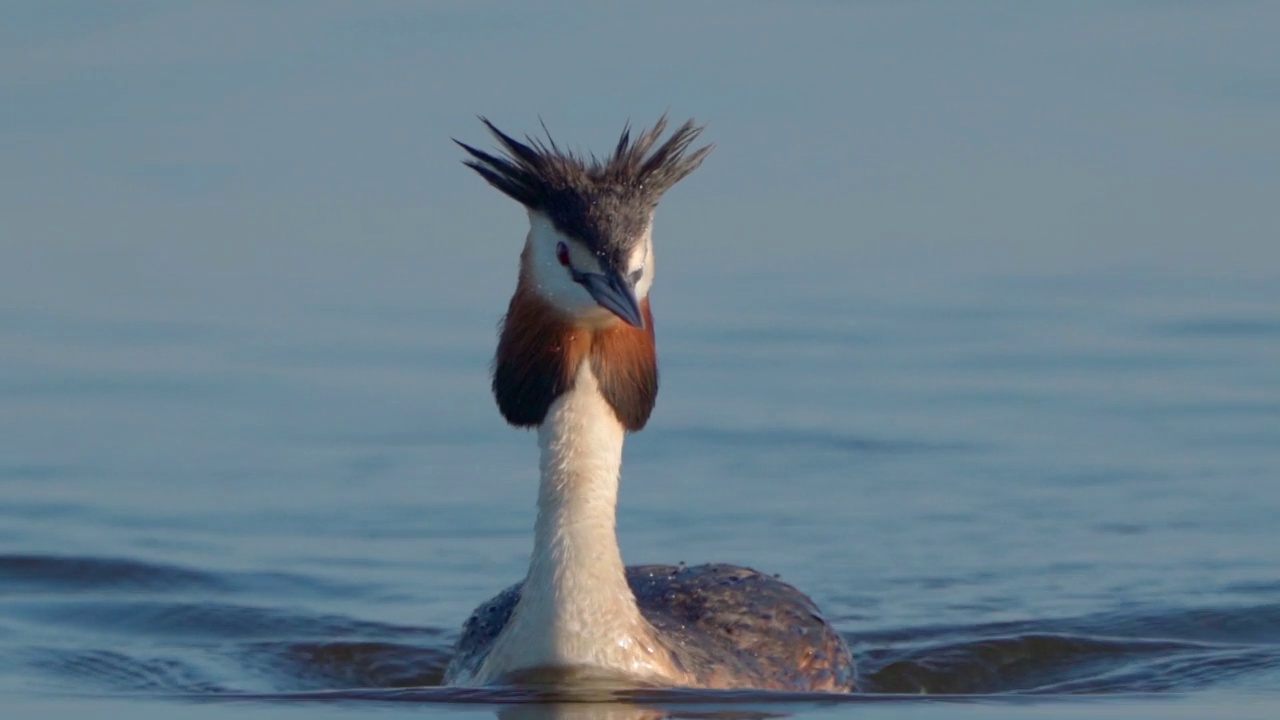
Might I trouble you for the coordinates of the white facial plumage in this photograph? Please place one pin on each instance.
(554, 282)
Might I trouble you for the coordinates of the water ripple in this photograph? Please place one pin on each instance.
(150, 641)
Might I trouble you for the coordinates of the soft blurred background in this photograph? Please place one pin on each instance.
(970, 326)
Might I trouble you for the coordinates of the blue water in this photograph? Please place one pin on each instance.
(970, 328)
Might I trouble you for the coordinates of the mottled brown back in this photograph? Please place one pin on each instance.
(729, 627)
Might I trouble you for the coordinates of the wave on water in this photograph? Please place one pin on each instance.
(102, 625)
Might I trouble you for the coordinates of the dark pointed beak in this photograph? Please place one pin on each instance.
(615, 294)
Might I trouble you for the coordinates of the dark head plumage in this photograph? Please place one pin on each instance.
(607, 203)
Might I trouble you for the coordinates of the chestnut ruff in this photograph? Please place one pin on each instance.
(540, 351)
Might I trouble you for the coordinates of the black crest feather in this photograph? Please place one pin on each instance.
(605, 202)
(535, 171)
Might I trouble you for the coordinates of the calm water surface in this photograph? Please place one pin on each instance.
(970, 328)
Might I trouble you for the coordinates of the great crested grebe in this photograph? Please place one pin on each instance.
(576, 360)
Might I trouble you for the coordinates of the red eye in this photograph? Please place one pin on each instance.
(562, 254)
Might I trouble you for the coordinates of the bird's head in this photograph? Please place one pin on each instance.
(596, 279)
(589, 252)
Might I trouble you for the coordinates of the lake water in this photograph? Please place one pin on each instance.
(970, 328)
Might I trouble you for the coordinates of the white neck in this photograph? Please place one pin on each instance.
(576, 611)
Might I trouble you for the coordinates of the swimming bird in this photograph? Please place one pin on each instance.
(576, 360)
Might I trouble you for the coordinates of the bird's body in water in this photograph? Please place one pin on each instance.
(576, 359)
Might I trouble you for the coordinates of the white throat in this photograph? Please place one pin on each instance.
(576, 611)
